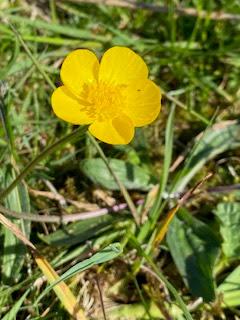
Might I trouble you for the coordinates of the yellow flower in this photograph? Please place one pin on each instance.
(113, 96)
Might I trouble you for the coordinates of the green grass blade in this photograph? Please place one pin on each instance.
(171, 288)
(108, 253)
(155, 211)
(14, 250)
(12, 314)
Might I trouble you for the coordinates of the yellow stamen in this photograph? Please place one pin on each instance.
(101, 100)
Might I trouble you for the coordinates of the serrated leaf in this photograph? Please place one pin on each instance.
(229, 216)
(132, 176)
(194, 248)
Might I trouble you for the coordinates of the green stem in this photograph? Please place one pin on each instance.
(162, 278)
(54, 147)
(46, 77)
(145, 304)
(171, 289)
(115, 177)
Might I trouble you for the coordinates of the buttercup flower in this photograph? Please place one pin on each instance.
(113, 96)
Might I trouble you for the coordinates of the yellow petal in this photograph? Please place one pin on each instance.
(143, 102)
(120, 65)
(68, 108)
(79, 67)
(120, 130)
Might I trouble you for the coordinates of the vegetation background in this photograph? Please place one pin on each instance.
(193, 53)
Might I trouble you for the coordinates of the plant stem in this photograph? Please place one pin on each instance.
(115, 177)
(32, 164)
(162, 278)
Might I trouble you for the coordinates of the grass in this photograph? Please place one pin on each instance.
(114, 267)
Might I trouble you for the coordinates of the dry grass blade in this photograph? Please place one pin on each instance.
(61, 289)
(170, 215)
(63, 292)
(17, 232)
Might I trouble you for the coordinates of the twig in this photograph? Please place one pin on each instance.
(190, 192)
(58, 196)
(192, 12)
(195, 304)
(50, 195)
(47, 194)
(63, 218)
(101, 297)
(224, 189)
(170, 215)
(98, 213)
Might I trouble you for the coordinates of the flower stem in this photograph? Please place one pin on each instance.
(115, 177)
(40, 157)
(52, 148)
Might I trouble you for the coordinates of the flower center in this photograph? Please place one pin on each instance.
(102, 101)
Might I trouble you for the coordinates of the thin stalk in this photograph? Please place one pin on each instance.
(115, 177)
(162, 278)
(101, 297)
(145, 304)
(54, 147)
(166, 164)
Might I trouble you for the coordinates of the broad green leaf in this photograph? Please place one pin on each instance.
(194, 249)
(229, 216)
(132, 176)
(78, 232)
(213, 142)
(230, 288)
(11, 315)
(14, 250)
(106, 254)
